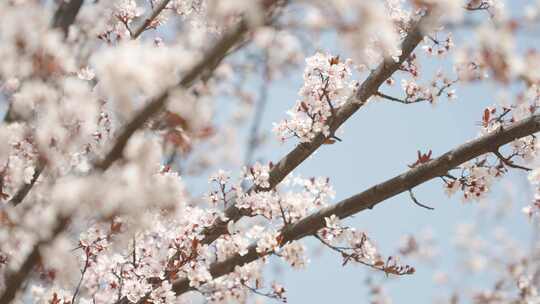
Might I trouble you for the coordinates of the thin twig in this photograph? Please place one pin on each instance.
(413, 198)
(403, 101)
(302, 151)
(508, 162)
(14, 281)
(263, 294)
(157, 104)
(83, 272)
(359, 258)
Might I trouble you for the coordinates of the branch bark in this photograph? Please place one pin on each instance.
(63, 18)
(381, 192)
(294, 158)
(206, 65)
(157, 104)
(209, 62)
(65, 15)
(25, 189)
(15, 280)
(150, 19)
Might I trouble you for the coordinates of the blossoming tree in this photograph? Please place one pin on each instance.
(115, 109)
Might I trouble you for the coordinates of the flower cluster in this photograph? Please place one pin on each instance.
(475, 180)
(439, 86)
(436, 47)
(478, 175)
(355, 246)
(306, 196)
(327, 86)
(100, 199)
(259, 174)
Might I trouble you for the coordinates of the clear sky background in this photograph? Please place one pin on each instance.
(378, 143)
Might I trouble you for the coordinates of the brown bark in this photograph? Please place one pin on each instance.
(381, 192)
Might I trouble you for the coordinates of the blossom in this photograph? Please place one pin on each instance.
(528, 211)
(221, 177)
(127, 10)
(86, 73)
(198, 276)
(332, 222)
(149, 69)
(259, 174)
(268, 242)
(163, 294)
(327, 86)
(294, 254)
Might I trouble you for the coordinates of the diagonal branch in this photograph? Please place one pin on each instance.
(148, 21)
(381, 192)
(65, 15)
(15, 280)
(25, 189)
(157, 104)
(63, 18)
(508, 161)
(207, 64)
(301, 152)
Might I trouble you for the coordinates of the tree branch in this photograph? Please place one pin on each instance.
(417, 202)
(207, 64)
(83, 272)
(301, 152)
(150, 19)
(403, 101)
(15, 280)
(155, 105)
(381, 192)
(253, 139)
(65, 15)
(25, 189)
(63, 18)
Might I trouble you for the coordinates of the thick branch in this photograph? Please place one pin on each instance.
(207, 63)
(15, 280)
(25, 189)
(381, 192)
(63, 17)
(65, 14)
(294, 158)
(508, 162)
(158, 103)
